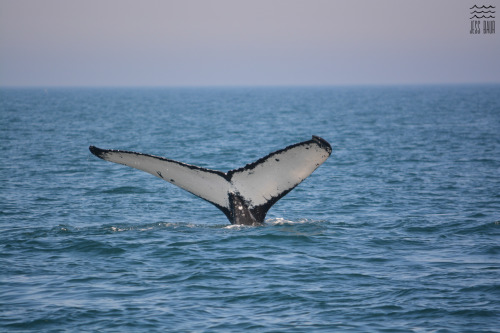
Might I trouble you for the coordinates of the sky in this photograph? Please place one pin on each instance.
(243, 43)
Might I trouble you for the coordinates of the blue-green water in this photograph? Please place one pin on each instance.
(399, 231)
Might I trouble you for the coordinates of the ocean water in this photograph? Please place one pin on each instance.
(398, 231)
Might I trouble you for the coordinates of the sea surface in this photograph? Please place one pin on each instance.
(398, 231)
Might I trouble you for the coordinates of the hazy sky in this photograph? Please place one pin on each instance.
(243, 42)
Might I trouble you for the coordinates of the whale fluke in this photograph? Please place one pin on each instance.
(244, 195)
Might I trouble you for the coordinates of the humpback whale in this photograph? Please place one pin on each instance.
(244, 195)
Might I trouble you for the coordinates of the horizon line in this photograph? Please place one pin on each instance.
(117, 86)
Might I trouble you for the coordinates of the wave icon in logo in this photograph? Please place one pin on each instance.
(488, 10)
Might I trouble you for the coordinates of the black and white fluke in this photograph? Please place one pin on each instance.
(244, 195)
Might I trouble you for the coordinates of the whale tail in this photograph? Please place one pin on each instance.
(244, 195)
